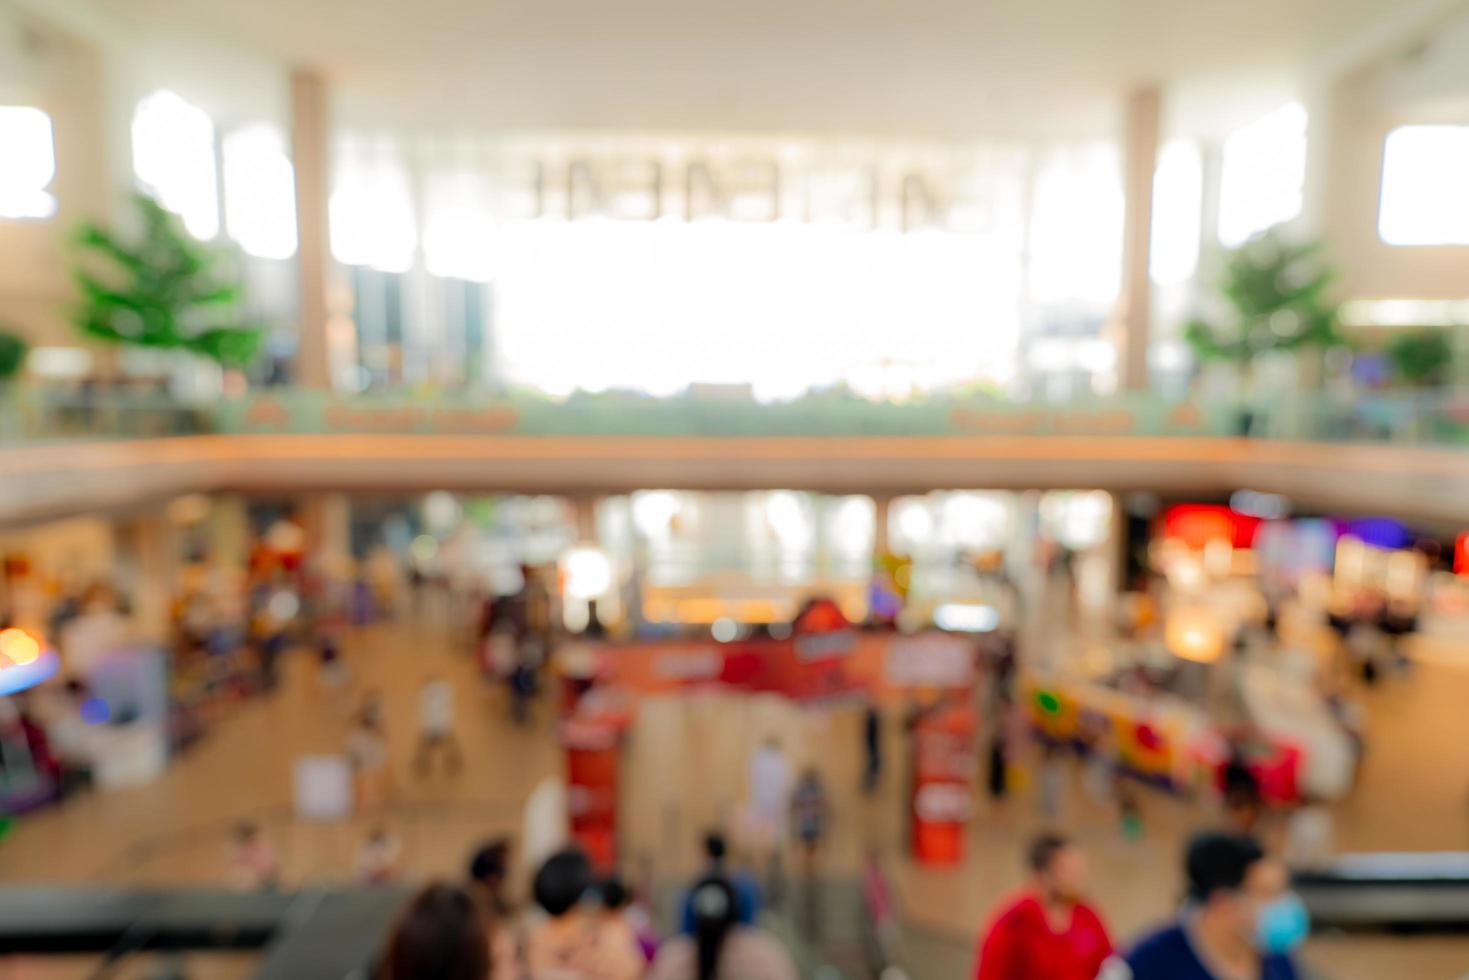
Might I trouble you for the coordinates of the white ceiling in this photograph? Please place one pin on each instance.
(910, 67)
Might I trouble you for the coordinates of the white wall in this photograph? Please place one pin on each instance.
(1426, 81)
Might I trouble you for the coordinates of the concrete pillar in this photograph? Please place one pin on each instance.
(586, 518)
(229, 531)
(310, 151)
(1134, 307)
(882, 510)
(148, 569)
(327, 520)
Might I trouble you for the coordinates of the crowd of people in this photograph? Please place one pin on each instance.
(580, 926)
(1238, 919)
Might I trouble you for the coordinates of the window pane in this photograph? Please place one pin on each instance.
(371, 210)
(27, 163)
(1178, 196)
(260, 192)
(1264, 174)
(173, 156)
(1425, 199)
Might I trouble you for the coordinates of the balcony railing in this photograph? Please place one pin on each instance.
(30, 414)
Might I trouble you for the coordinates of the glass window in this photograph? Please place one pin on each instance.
(173, 156)
(371, 211)
(377, 311)
(260, 192)
(1425, 199)
(1076, 227)
(458, 230)
(1178, 201)
(27, 164)
(1264, 174)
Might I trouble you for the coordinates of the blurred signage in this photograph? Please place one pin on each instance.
(854, 187)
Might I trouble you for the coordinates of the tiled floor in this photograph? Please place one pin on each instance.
(683, 771)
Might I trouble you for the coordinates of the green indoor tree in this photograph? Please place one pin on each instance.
(161, 289)
(12, 354)
(1421, 358)
(1277, 298)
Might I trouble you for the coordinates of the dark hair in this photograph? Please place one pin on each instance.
(716, 911)
(562, 881)
(439, 936)
(1219, 861)
(1043, 850)
(615, 893)
(714, 846)
(246, 830)
(487, 865)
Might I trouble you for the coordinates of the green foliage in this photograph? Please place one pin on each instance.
(12, 354)
(1421, 357)
(1277, 292)
(161, 291)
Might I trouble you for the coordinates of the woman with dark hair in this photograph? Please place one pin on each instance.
(720, 948)
(440, 936)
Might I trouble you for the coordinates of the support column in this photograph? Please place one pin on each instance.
(310, 151)
(148, 560)
(327, 520)
(229, 532)
(882, 510)
(1134, 308)
(586, 518)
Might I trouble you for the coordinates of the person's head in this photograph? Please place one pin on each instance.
(246, 832)
(1240, 889)
(439, 936)
(715, 847)
(716, 912)
(1059, 867)
(615, 894)
(490, 862)
(562, 882)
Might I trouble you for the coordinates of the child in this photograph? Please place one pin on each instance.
(377, 861)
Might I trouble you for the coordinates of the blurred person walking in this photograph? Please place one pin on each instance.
(574, 942)
(720, 948)
(747, 889)
(768, 809)
(436, 727)
(1239, 923)
(253, 862)
(1048, 930)
(871, 747)
(439, 937)
(377, 860)
(367, 752)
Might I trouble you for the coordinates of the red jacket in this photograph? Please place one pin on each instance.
(1020, 945)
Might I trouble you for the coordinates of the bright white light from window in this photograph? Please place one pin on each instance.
(588, 572)
(1425, 200)
(27, 163)
(173, 156)
(459, 228)
(789, 518)
(260, 192)
(372, 220)
(1264, 173)
(1178, 195)
(1076, 227)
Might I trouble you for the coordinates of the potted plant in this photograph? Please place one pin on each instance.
(161, 289)
(1275, 299)
(1421, 358)
(13, 350)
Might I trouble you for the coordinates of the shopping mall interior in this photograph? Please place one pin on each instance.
(860, 491)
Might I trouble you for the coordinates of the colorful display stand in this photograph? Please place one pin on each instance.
(943, 790)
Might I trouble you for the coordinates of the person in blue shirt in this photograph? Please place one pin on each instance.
(1240, 922)
(747, 891)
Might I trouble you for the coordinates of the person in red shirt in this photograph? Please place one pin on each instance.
(1046, 932)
